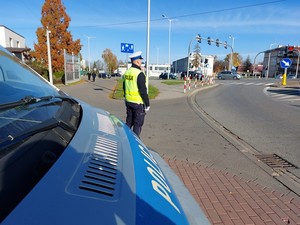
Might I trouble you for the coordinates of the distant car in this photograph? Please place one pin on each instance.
(291, 76)
(115, 75)
(223, 75)
(64, 161)
(183, 75)
(104, 75)
(164, 76)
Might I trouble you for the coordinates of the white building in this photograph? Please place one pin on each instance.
(13, 42)
(156, 69)
(206, 65)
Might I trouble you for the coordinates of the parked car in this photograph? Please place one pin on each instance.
(64, 161)
(291, 76)
(115, 75)
(104, 75)
(223, 75)
(164, 76)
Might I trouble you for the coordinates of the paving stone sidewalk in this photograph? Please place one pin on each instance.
(231, 200)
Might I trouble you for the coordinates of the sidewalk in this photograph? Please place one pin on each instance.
(229, 199)
(225, 198)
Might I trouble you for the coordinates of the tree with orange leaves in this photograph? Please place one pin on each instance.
(55, 19)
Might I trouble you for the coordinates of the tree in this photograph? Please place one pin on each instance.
(219, 65)
(197, 56)
(110, 60)
(236, 58)
(247, 65)
(55, 19)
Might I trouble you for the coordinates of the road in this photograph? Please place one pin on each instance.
(175, 129)
(265, 119)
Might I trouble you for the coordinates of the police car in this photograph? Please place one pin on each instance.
(63, 161)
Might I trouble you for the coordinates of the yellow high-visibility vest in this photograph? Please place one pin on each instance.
(131, 89)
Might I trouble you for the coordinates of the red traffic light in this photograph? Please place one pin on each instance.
(290, 48)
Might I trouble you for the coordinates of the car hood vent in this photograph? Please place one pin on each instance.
(99, 172)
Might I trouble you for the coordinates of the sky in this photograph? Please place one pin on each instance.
(249, 26)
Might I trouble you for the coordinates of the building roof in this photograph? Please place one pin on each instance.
(18, 50)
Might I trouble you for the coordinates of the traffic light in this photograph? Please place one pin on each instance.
(217, 42)
(285, 51)
(290, 51)
(199, 38)
(209, 40)
(225, 44)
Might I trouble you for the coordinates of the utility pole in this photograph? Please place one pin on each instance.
(89, 51)
(49, 56)
(170, 21)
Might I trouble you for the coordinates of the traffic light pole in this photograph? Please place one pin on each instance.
(218, 43)
(209, 41)
(255, 60)
(189, 52)
(297, 62)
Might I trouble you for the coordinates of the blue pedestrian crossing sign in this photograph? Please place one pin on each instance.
(127, 48)
(285, 63)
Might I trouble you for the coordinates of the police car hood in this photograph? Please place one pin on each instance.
(106, 175)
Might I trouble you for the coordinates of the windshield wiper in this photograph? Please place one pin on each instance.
(31, 100)
(47, 125)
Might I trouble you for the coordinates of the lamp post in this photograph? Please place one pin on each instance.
(231, 55)
(49, 56)
(269, 59)
(170, 21)
(89, 51)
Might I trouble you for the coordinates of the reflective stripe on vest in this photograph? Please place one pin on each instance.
(131, 89)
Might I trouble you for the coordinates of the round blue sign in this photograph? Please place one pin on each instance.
(285, 63)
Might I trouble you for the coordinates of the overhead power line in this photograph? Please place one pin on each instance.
(188, 15)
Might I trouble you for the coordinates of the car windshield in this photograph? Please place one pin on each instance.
(23, 93)
(32, 113)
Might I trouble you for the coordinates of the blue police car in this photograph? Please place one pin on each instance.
(63, 161)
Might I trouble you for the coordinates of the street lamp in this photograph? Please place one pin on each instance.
(231, 55)
(89, 51)
(49, 56)
(170, 21)
(267, 75)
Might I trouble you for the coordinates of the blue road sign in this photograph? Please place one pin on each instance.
(127, 48)
(285, 63)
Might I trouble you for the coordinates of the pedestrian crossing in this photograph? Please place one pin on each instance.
(244, 83)
(290, 95)
(284, 94)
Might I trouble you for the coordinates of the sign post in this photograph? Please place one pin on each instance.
(285, 63)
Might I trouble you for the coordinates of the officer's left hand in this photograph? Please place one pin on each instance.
(147, 109)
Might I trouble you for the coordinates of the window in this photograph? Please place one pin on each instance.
(11, 43)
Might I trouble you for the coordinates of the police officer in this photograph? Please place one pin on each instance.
(136, 94)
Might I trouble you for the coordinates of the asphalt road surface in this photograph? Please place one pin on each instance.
(174, 128)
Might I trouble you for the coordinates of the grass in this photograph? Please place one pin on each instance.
(173, 82)
(119, 93)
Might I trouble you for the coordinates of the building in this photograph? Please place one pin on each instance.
(206, 65)
(13, 42)
(272, 58)
(156, 69)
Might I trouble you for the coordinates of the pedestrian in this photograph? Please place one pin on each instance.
(94, 76)
(136, 95)
(89, 75)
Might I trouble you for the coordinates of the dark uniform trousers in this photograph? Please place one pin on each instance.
(135, 117)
